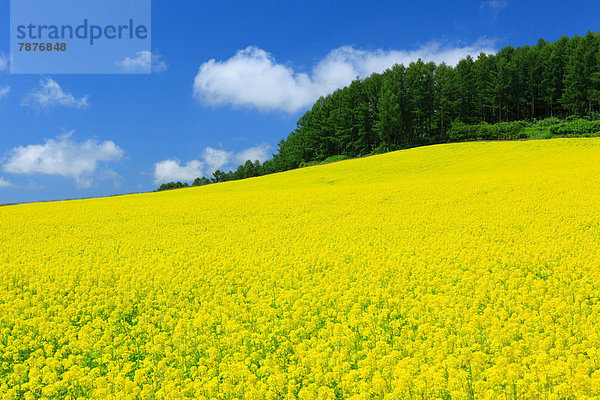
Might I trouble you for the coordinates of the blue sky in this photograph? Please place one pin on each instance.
(231, 79)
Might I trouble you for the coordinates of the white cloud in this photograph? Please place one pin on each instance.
(143, 62)
(50, 94)
(4, 183)
(3, 62)
(260, 153)
(216, 159)
(4, 91)
(172, 170)
(213, 159)
(63, 157)
(252, 77)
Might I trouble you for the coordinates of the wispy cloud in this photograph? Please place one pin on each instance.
(62, 156)
(3, 66)
(4, 91)
(4, 183)
(50, 94)
(253, 78)
(212, 160)
(143, 62)
(3, 62)
(495, 6)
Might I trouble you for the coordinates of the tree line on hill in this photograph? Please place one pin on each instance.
(529, 91)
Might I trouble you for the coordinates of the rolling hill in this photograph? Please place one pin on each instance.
(460, 271)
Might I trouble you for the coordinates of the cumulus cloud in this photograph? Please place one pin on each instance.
(50, 94)
(144, 62)
(212, 160)
(4, 91)
(4, 183)
(3, 62)
(173, 170)
(253, 78)
(216, 159)
(62, 156)
(260, 153)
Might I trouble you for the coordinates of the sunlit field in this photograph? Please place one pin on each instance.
(460, 271)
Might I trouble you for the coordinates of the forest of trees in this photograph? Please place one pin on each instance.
(425, 103)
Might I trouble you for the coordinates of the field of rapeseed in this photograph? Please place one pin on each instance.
(461, 271)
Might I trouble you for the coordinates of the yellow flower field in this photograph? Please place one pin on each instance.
(460, 271)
